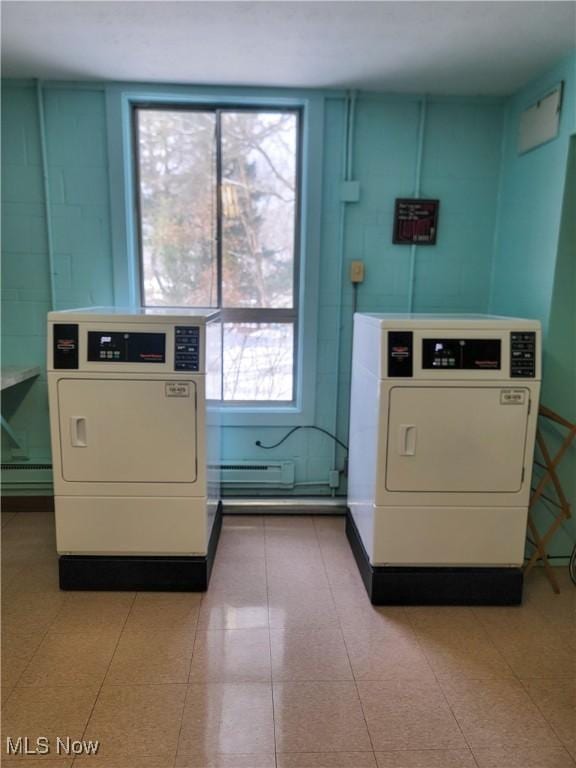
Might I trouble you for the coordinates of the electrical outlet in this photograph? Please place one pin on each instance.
(357, 272)
(334, 478)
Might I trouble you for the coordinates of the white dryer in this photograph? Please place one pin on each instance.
(134, 412)
(442, 428)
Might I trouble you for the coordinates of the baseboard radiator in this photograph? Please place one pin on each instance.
(256, 474)
(22, 476)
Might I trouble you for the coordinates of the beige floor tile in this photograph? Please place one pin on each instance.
(331, 524)
(556, 700)
(376, 655)
(9, 574)
(300, 536)
(356, 612)
(527, 642)
(92, 611)
(30, 612)
(426, 758)
(537, 587)
(321, 717)
(154, 656)
(507, 619)
(140, 761)
(10, 676)
(327, 760)
(33, 520)
(51, 712)
(234, 609)
(232, 575)
(497, 713)
(571, 748)
(297, 609)
(137, 720)
(408, 715)
(164, 610)
(309, 655)
(456, 644)
(20, 645)
(282, 532)
(242, 521)
(379, 621)
(341, 569)
(18, 648)
(558, 611)
(533, 757)
(72, 659)
(291, 524)
(45, 762)
(40, 576)
(305, 573)
(281, 545)
(216, 760)
(538, 655)
(461, 659)
(241, 542)
(227, 718)
(231, 656)
(6, 517)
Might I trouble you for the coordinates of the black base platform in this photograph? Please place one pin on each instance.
(391, 585)
(141, 572)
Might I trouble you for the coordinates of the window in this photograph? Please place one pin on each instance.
(218, 200)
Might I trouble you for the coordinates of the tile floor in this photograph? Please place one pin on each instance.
(283, 663)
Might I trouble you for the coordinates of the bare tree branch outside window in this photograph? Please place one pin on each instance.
(181, 173)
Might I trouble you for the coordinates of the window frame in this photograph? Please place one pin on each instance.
(119, 99)
(254, 315)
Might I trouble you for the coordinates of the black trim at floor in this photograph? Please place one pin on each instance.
(145, 573)
(392, 585)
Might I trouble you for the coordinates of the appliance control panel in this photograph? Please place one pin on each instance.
(186, 348)
(124, 347)
(461, 354)
(523, 354)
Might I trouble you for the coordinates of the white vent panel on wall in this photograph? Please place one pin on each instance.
(539, 123)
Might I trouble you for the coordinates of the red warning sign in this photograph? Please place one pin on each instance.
(415, 221)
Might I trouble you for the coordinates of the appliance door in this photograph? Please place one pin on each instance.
(456, 439)
(128, 430)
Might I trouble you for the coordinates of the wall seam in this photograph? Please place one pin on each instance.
(498, 215)
(46, 187)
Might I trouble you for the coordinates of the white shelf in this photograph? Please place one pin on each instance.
(15, 374)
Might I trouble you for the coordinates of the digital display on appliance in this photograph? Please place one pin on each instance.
(123, 347)
(461, 354)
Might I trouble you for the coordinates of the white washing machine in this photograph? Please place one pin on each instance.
(442, 429)
(134, 414)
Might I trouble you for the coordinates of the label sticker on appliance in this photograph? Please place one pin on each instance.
(512, 397)
(177, 389)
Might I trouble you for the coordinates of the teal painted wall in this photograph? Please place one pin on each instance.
(533, 272)
(460, 165)
(531, 204)
(78, 175)
(559, 388)
(25, 271)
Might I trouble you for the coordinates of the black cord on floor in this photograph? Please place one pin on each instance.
(295, 429)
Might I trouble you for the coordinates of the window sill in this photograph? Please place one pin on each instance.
(269, 416)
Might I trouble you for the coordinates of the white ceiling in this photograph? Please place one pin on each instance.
(434, 47)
